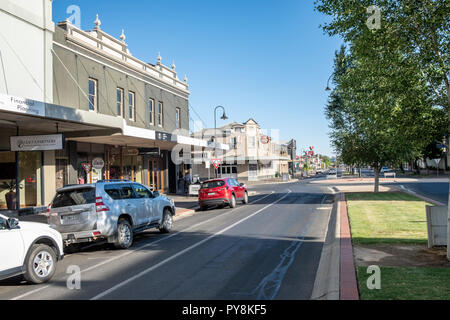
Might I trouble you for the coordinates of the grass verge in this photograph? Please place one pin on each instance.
(407, 283)
(388, 217)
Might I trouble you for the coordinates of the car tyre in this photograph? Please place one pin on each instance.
(232, 201)
(40, 264)
(167, 222)
(124, 235)
(245, 201)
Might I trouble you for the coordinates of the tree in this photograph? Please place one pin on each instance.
(384, 108)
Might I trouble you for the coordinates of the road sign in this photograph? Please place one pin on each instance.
(86, 166)
(216, 162)
(265, 139)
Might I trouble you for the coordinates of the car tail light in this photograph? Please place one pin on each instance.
(96, 233)
(100, 206)
(47, 212)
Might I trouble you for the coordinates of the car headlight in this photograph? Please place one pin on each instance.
(172, 202)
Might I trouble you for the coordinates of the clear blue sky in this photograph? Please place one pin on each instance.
(266, 60)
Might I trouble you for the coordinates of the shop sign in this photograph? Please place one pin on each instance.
(87, 167)
(265, 139)
(22, 105)
(130, 152)
(98, 163)
(150, 152)
(163, 136)
(37, 143)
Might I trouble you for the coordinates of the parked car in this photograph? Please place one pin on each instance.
(29, 248)
(222, 192)
(111, 210)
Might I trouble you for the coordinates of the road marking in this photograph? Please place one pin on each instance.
(139, 248)
(142, 273)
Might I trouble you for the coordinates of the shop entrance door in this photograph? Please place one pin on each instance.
(156, 175)
(61, 173)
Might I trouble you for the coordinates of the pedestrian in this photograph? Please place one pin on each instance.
(187, 182)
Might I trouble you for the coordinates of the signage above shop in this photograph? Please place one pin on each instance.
(150, 151)
(130, 152)
(22, 105)
(163, 136)
(37, 143)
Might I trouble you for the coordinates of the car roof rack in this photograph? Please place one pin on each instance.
(114, 180)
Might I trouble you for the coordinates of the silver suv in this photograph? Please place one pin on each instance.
(111, 210)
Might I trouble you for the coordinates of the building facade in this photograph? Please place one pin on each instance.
(104, 114)
(252, 154)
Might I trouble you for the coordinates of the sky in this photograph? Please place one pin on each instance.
(266, 60)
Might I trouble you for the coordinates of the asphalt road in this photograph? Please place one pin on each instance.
(434, 190)
(268, 249)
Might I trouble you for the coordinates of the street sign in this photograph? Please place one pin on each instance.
(265, 139)
(86, 166)
(98, 163)
(216, 162)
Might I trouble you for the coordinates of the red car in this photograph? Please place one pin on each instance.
(222, 192)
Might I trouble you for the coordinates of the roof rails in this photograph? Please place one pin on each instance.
(114, 180)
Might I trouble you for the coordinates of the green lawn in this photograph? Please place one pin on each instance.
(387, 217)
(407, 283)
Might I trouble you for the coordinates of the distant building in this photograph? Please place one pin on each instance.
(253, 155)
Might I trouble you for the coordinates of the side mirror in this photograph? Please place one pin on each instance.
(242, 184)
(156, 194)
(13, 223)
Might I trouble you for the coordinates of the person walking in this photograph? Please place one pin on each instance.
(187, 182)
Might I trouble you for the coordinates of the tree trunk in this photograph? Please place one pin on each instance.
(376, 171)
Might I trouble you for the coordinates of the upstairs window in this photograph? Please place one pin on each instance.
(93, 94)
(131, 106)
(151, 111)
(160, 114)
(178, 118)
(119, 101)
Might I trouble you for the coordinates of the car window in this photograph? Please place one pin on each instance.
(74, 197)
(113, 191)
(232, 183)
(3, 224)
(126, 192)
(213, 184)
(141, 191)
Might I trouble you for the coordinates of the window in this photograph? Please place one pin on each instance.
(3, 224)
(126, 192)
(251, 142)
(119, 101)
(113, 191)
(177, 118)
(131, 106)
(141, 191)
(160, 114)
(213, 184)
(151, 111)
(74, 197)
(92, 94)
(233, 143)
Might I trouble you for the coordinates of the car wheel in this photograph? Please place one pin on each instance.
(41, 264)
(167, 222)
(232, 201)
(245, 201)
(124, 235)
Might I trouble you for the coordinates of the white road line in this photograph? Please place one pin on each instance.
(142, 273)
(139, 248)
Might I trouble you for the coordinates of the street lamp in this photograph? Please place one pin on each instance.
(223, 117)
(328, 84)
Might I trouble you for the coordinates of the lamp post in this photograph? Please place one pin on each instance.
(328, 84)
(223, 117)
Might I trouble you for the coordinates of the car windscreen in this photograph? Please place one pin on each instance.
(213, 184)
(74, 197)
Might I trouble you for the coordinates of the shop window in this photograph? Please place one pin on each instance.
(30, 178)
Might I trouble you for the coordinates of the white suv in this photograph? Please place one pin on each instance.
(28, 248)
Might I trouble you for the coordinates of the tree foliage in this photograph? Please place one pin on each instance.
(387, 105)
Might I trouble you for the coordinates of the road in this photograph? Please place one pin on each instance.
(434, 190)
(268, 249)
